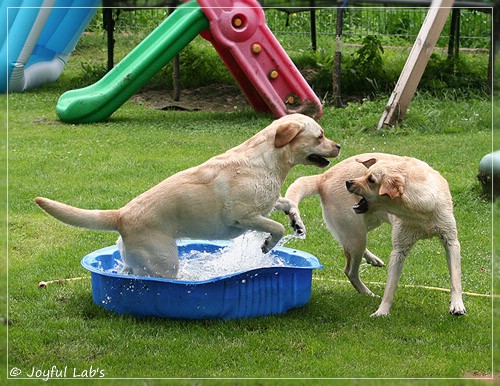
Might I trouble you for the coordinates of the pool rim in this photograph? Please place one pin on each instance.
(86, 262)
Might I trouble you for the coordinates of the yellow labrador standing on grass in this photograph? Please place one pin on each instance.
(219, 199)
(361, 192)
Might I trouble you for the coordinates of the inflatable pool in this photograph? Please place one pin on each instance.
(39, 38)
(269, 290)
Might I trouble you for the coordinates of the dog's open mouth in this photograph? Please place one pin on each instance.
(318, 160)
(361, 207)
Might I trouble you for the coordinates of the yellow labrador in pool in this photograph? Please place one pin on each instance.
(361, 192)
(219, 199)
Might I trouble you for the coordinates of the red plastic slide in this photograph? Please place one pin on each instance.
(265, 73)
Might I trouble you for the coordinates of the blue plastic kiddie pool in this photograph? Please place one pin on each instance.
(258, 292)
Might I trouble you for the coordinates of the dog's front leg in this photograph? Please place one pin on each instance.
(263, 224)
(453, 258)
(292, 211)
(396, 261)
(402, 244)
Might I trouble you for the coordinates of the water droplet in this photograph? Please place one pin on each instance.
(241, 255)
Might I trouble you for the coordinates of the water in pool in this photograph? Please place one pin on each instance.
(242, 254)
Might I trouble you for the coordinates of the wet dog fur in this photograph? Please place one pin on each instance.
(361, 192)
(220, 199)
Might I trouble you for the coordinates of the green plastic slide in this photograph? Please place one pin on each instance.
(98, 101)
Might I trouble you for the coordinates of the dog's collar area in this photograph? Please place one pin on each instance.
(318, 160)
(361, 207)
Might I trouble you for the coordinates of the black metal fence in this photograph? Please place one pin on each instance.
(397, 26)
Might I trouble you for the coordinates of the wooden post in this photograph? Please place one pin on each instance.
(312, 13)
(415, 64)
(109, 26)
(176, 71)
(454, 40)
(337, 59)
(176, 78)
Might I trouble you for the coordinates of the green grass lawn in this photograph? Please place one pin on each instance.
(106, 164)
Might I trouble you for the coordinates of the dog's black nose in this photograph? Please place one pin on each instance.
(348, 184)
(337, 145)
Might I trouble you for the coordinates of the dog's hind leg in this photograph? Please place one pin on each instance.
(151, 255)
(353, 260)
(350, 232)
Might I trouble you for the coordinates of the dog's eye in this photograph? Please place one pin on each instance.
(321, 135)
(371, 180)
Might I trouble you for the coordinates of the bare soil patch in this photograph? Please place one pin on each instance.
(216, 97)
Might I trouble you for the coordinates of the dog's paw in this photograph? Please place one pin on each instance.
(299, 228)
(458, 309)
(373, 259)
(268, 245)
(364, 290)
(379, 313)
(376, 262)
(384, 309)
(297, 224)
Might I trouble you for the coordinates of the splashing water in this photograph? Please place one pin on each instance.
(242, 254)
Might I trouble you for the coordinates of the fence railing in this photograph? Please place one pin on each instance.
(399, 26)
(396, 25)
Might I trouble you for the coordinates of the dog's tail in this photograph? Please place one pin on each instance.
(303, 187)
(106, 220)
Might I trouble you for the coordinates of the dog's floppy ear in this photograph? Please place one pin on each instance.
(285, 133)
(368, 163)
(392, 186)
